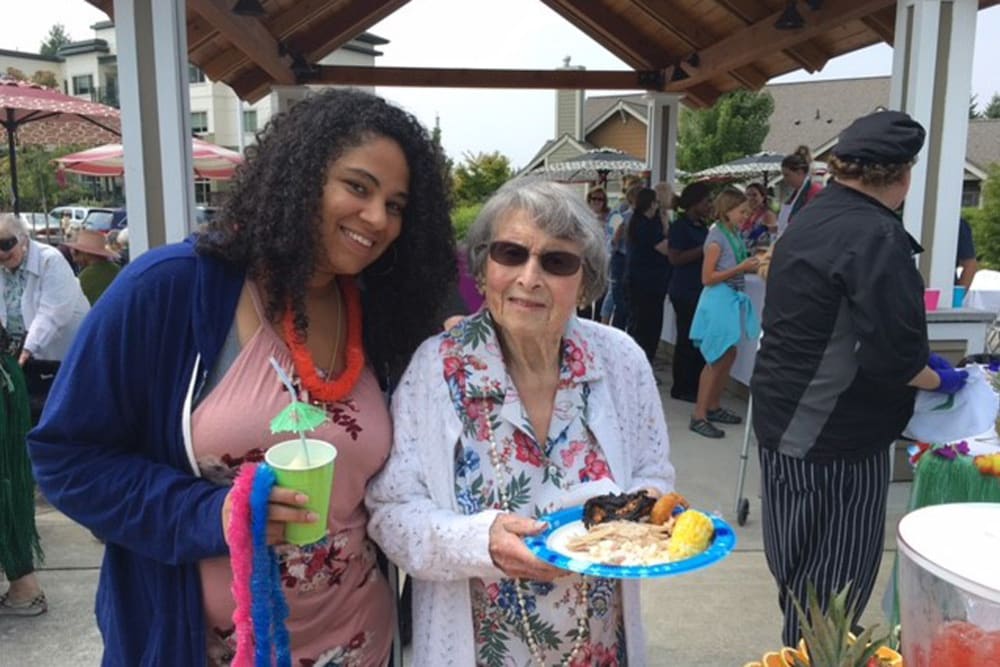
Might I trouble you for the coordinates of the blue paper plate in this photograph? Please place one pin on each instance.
(571, 520)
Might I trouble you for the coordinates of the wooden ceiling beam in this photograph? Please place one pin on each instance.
(280, 26)
(607, 29)
(808, 55)
(488, 78)
(882, 24)
(749, 77)
(299, 15)
(811, 57)
(671, 18)
(223, 65)
(249, 36)
(253, 84)
(762, 38)
(700, 96)
(748, 11)
(200, 34)
(333, 30)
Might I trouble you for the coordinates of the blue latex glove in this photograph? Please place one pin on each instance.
(951, 380)
(939, 363)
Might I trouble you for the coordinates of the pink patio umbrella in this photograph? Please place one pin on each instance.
(24, 102)
(210, 161)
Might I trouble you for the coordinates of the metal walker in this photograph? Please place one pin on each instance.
(742, 508)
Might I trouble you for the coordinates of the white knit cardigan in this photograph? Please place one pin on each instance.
(417, 522)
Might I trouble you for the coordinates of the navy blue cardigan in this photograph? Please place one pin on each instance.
(109, 451)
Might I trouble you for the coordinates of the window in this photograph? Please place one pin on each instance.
(970, 194)
(199, 122)
(195, 75)
(250, 120)
(83, 84)
(202, 190)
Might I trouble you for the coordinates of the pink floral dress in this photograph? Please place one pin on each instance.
(341, 610)
(536, 479)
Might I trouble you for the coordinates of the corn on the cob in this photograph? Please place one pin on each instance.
(692, 535)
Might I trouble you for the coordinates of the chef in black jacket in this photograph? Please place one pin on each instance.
(843, 352)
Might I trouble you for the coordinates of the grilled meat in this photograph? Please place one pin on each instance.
(617, 507)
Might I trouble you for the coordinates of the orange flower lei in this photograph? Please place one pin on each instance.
(329, 391)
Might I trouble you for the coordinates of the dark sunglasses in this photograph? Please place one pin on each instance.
(596, 199)
(7, 244)
(554, 262)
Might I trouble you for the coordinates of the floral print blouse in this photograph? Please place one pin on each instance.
(535, 476)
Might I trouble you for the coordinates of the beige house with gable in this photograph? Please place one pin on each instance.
(810, 113)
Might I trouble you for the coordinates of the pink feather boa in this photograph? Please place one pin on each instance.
(241, 557)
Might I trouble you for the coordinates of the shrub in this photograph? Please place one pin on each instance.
(985, 222)
(462, 218)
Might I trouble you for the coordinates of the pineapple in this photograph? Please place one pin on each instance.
(828, 636)
(692, 534)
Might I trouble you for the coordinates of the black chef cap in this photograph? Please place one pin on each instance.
(884, 137)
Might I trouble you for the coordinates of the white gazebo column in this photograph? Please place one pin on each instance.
(662, 114)
(931, 81)
(152, 73)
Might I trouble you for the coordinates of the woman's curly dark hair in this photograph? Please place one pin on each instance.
(270, 222)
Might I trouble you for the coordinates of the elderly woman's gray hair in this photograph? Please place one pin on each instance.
(11, 224)
(559, 212)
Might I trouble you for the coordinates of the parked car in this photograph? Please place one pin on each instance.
(41, 228)
(76, 215)
(104, 220)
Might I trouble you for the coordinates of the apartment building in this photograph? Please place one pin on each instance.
(89, 69)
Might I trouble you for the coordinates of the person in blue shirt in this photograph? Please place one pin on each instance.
(647, 272)
(965, 258)
(615, 309)
(337, 230)
(686, 240)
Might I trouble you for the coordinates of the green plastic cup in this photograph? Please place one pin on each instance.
(314, 480)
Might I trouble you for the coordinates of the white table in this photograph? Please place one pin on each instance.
(984, 292)
(746, 351)
(983, 299)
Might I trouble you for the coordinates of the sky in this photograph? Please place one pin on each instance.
(518, 34)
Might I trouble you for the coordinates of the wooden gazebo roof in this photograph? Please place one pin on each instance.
(701, 48)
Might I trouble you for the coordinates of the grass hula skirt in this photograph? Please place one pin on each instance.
(19, 543)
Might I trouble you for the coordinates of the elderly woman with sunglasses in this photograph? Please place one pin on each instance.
(518, 411)
(42, 308)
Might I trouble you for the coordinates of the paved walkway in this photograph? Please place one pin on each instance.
(720, 617)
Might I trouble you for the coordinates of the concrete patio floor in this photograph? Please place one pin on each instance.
(720, 617)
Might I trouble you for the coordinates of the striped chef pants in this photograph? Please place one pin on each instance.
(823, 523)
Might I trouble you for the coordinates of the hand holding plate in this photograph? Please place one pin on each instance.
(509, 553)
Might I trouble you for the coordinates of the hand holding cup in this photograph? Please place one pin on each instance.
(285, 506)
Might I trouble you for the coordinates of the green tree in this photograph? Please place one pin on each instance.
(992, 109)
(734, 126)
(479, 176)
(447, 164)
(56, 38)
(973, 103)
(985, 221)
(37, 185)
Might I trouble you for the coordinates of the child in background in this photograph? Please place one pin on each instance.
(724, 314)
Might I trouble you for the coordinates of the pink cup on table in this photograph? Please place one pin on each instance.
(931, 298)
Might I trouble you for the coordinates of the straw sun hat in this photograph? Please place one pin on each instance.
(92, 243)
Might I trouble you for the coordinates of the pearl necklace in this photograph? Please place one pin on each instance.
(581, 592)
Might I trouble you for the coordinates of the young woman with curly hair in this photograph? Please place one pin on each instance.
(332, 257)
